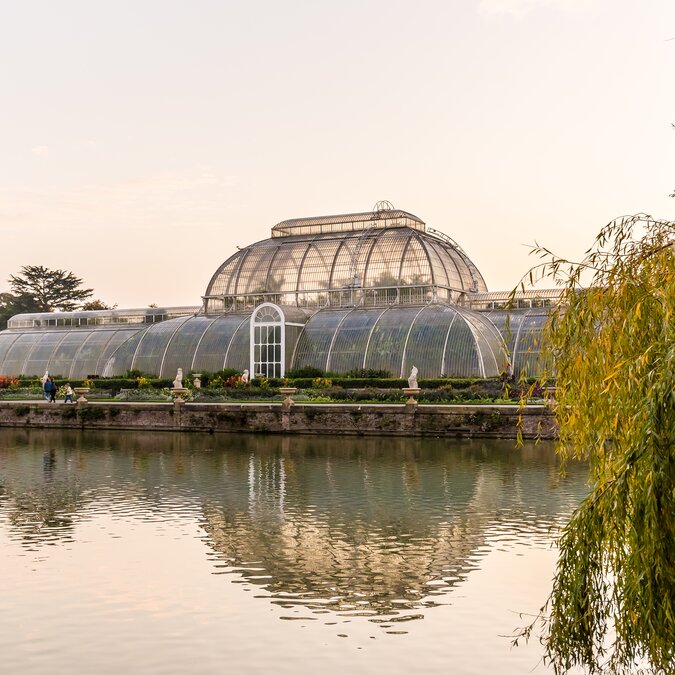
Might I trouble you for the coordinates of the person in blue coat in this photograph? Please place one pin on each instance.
(52, 390)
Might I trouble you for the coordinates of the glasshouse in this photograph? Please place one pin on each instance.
(378, 290)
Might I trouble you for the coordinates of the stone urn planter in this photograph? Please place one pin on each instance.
(549, 395)
(287, 392)
(179, 393)
(81, 391)
(411, 392)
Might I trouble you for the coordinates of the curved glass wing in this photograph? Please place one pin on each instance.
(64, 355)
(315, 340)
(16, 356)
(427, 341)
(238, 352)
(118, 338)
(87, 358)
(522, 333)
(122, 357)
(152, 348)
(351, 340)
(440, 340)
(7, 339)
(490, 345)
(388, 340)
(213, 348)
(182, 346)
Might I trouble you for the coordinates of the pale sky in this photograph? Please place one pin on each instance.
(141, 142)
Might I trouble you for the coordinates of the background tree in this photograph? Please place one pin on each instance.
(95, 305)
(12, 304)
(49, 289)
(613, 353)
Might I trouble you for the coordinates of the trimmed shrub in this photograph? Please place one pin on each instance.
(305, 372)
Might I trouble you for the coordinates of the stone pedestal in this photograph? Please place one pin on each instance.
(287, 392)
(81, 391)
(178, 393)
(411, 403)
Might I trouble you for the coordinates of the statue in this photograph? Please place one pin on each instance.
(244, 377)
(178, 382)
(412, 380)
(43, 380)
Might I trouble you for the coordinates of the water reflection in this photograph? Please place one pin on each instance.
(381, 528)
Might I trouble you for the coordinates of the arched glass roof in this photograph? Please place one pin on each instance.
(439, 340)
(354, 267)
(72, 354)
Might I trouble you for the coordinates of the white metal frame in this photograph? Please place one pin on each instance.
(259, 324)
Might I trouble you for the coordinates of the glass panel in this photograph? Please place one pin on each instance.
(350, 263)
(181, 349)
(253, 273)
(316, 267)
(210, 354)
(522, 330)
(64, 355)
(489, 343)
(120, 359)
(151, 350)
(223, 281)
(427, 341)
(316, 338)
(38, 359)
(415, 269)
(351, 339)
(86, 359)
(239, 355)
(382, 267)
(387, 340)
(267, 314)
(461, 353)
(6, 341)
(15, 359)
(444, 257)
(119, 337)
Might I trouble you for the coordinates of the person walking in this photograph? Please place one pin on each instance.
(52, 390)
(69, 394)
(46, 386)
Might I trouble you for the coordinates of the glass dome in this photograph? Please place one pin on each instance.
(350, 260)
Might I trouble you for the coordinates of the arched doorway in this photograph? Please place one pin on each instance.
(268, 341)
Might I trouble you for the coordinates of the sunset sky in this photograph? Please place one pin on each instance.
(141, 142)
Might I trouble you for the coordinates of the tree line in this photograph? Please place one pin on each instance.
(39, 289)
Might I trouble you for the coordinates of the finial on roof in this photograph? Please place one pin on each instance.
(383, 205)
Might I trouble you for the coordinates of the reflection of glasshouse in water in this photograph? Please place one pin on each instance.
(383, 527)
(377, 290)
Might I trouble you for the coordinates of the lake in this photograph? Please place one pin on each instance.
(187, 553)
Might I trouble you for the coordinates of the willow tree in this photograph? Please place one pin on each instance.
(612, 350)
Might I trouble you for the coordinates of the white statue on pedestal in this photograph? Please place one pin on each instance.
(244, 377)
(178, 382)
(412, 380)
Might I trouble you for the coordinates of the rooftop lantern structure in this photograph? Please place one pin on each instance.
(382, 257)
